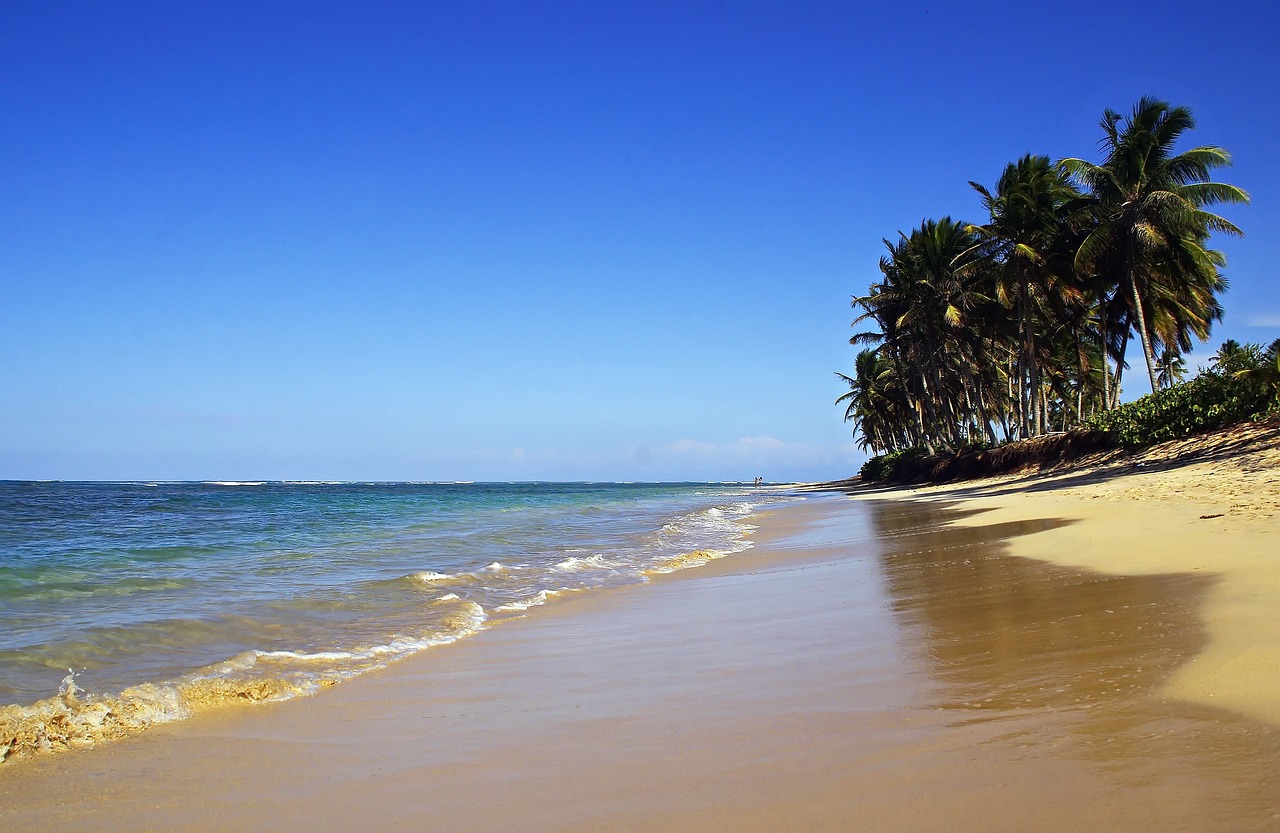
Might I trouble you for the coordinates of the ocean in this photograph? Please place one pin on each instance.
(127, 604)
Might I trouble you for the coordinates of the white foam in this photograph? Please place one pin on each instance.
(540, 598)
(317, 656)
(574, 564)
(431, 576)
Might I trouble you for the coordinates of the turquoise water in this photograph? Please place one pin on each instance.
(146, 601)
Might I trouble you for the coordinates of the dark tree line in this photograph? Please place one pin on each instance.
(977, 333)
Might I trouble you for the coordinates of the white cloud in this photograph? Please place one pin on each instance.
(686, 458)
(1263, 319)
(746, 457)
(686, 446)
(744, 446)
(762, 443)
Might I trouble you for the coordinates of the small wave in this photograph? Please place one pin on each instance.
(574, 564)
(689, 559)
(235, 482)
(301, 656)
(432, 578)
(72, 721)
(539, 598)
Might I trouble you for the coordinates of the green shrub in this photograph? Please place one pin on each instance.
(888, 467)
(1211, 400)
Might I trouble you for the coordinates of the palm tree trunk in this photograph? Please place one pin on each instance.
(906, 390)
(1106, 368)
(1082, 359)
(1115, 389)
(1145, 335)
(1033, 413)
(932, 397)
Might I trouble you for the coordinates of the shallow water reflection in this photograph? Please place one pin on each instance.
(1042, 657)
(1010, 633)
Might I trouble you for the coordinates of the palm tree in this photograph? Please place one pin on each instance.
(1233, 357)
(1151, 226)
(930, 313)
(1266, 372)
(884, 304)
(874, 403)
(1173, 368)
(1028, 214)
(929, 270)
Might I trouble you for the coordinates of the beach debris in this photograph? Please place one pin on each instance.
(1207, 517)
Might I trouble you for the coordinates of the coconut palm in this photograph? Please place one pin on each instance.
(931, 317)
(1267, 370)
(1232, 357)
(874, 403)
(1173, 368)
(884, 304)
(943, 304)
(1151, 223)
(1028, 214)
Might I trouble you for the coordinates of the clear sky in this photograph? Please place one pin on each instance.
(543, 240)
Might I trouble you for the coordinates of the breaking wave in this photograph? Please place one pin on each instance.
(330, 611)
(75, 719)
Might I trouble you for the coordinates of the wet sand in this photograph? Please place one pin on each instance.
(871, 665)
(1206, 506)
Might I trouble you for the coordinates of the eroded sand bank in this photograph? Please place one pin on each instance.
(871, 665)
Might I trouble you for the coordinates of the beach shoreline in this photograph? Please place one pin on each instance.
(986, 656)
(1208, 504)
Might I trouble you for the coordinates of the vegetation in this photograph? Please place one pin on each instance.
(1241, 383)
(978, 334)
(916, 465)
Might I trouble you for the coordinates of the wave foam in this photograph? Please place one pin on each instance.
(539, 598)
(689, 559)
(574, 564)
(72, 721)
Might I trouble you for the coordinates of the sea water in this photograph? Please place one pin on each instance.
(126, 604)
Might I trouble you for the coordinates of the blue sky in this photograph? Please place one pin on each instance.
(493, 241)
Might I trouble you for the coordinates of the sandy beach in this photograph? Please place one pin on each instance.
(1091, 650)
(1207, 505)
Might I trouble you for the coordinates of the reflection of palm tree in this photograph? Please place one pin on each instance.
(981, 614)
(1151, 224)
(1173, 368)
